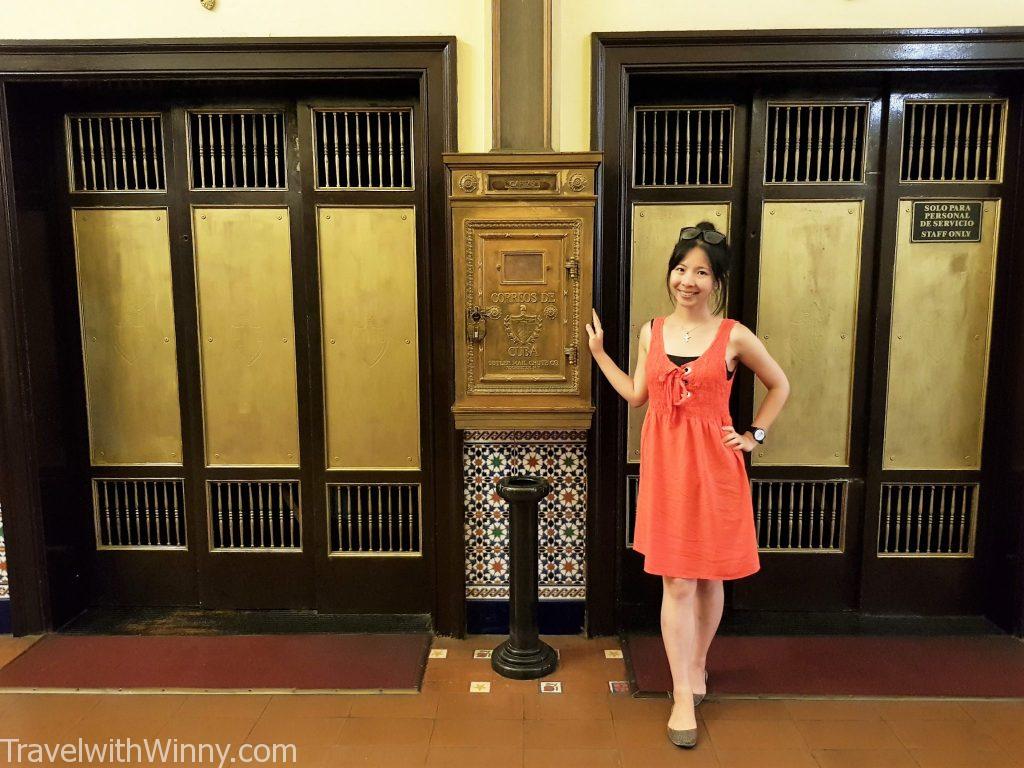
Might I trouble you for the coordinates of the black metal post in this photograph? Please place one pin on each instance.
(523, 656)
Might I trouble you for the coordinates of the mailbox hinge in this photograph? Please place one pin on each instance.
(573, 353)
(573, 268)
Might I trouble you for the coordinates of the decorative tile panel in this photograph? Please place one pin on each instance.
(559, 456)
(4, 585)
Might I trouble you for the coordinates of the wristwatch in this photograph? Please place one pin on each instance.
(758, 433)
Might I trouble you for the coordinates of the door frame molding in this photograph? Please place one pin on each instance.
(615, 59)
(430, 60)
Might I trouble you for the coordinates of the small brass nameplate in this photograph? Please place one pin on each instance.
(946, 221)
(522, 182)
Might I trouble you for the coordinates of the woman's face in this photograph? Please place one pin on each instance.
(692, 281)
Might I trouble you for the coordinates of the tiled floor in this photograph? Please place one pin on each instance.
(516, 725)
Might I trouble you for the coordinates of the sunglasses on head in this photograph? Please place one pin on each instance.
(709, 236)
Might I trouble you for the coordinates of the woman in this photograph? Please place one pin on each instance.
(694, 518)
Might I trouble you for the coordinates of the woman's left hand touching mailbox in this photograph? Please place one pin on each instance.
(633, 389)
(596, 334)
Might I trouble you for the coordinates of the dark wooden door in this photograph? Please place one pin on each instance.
(940, 346)
(812, 195)
(688, 164)
(285, 235)
(872, 487)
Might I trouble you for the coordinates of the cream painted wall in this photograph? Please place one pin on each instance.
(575, 20)
(468, 20)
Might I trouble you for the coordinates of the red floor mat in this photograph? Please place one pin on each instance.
(987, 666)
(276, 662)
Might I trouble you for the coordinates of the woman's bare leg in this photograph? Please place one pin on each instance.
(708, 606)
(677, 632)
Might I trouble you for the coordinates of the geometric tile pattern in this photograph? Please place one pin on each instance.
(559, 456)
(4, 586)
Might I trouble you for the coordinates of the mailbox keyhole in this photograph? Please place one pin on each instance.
(476, 329)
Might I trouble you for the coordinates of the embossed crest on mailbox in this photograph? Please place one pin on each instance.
(522, 232)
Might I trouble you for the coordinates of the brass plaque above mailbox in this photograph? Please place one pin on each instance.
(522, 182)
(523, 251)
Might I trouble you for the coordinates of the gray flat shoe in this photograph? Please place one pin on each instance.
(686, 738)
(699, 697)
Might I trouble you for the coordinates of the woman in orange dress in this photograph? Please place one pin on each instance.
(694, 517)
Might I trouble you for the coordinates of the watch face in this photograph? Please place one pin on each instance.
(759, 434)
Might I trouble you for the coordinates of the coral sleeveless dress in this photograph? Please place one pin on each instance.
(694, 517)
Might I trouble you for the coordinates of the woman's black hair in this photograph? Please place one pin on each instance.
(719, 256)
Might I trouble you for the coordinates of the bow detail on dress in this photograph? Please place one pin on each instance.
(674, 381)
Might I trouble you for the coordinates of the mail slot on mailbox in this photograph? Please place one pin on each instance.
(522, 230)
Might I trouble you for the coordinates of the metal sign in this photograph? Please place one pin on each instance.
(944, 221)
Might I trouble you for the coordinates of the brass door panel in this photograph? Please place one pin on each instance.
(655, 233)
(522, 298)
(807, 317)
(247, 345)
(513, 278)
(939, 347)
(369, 310)
(127, 315)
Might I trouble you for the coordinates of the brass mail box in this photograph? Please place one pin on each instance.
(522, 231)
